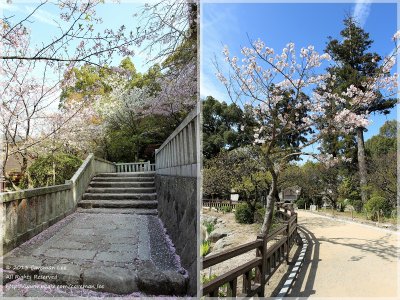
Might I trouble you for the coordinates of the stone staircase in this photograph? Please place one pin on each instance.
(121, 193)
(114, 245)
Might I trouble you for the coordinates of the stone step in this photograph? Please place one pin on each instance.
(118, 204)
(123, 179)
(118, 190)
(127, 174)
(112, 210)
(104, 196)
(104, 184)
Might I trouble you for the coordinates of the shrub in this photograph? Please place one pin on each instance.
(205, 248)
(206, 279)
(259, 215)
(209, 226)
(244, 214)
(300, 203)
(42, 169)
(226, 209)
(357, 204)
(342, 203)
(375, 205)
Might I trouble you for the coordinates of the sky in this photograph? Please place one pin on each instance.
(277, 24)
(44, 27)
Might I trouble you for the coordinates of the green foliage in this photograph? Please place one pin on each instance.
(209, 226)
(63, 165)
(382, 172)
(205, 248)
(350, 191)
(252, 186)
(225, 127)
(129, 141)
(342, 203)
(354, 64)
(89, 80)
(377, 205)
(226, 209)
(244, 214)
(206, 279)
(216, 182)
(229, 169)
(130, 136)
(259, 215)
(222, 290)
(300, 202)
(389, 129)
(380, 145)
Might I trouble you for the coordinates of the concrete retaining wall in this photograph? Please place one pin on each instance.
(25, 213)
(177, 185)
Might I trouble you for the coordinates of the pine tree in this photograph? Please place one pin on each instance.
(353, 66)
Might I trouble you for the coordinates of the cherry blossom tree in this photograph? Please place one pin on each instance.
(31, 73)
(170, 28)
(289, 116)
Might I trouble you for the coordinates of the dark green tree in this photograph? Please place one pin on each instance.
(354, 65)
(53, 169)
(225, 126)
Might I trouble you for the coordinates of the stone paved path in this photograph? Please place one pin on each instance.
(104, 252)
(347, 259)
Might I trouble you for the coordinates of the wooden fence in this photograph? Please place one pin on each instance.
(135, 167)
(265, 263)
(219, 204)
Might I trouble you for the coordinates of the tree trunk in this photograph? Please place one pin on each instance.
(24, 169)
(362, 165)
(277, 196)
(269, 210)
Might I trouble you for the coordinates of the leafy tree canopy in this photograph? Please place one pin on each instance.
(225, 127)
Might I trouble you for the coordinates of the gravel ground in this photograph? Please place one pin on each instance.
(239, 234)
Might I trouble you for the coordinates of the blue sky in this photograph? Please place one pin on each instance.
(44, 27)
(280, 23)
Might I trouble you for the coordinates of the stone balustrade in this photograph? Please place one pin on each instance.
(177, 185)
(178, 155)
(26, 213)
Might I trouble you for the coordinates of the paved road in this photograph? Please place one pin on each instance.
(346, 259)
(106, 252)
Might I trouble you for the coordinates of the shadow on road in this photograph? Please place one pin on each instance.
(379, 247)
(309, 269)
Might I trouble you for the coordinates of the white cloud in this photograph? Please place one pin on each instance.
(361, 11)
(8, 7)
(43, 16)
(210, 87)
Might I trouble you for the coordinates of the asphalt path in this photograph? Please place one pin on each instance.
(347, 259)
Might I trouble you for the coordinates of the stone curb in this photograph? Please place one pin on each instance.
(295, 270)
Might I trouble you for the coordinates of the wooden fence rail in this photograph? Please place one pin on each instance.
(265, 263)
(219, 203)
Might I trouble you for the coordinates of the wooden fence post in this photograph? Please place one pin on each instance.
(287, 242)
(261, 270)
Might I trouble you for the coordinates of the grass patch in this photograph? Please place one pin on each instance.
(205, 248)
